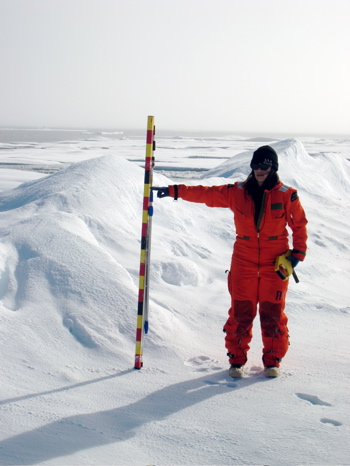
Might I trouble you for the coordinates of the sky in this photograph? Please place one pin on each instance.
(208, 65)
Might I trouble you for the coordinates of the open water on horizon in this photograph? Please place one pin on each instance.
(48, 135)
(27, 135)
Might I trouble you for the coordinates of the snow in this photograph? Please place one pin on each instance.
(69, 263)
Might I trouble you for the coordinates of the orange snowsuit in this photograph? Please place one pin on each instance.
(252, 280)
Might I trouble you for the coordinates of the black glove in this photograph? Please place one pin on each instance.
(162, 192)
(294, 260)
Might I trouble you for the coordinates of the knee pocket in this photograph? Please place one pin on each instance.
(270, 311)
(243, 312)
(272, 319)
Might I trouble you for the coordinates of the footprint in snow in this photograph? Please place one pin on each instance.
(203, 364)
(314, 400)
(326, 420)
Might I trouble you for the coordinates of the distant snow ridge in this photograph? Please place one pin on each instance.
(295, 168)
(291, 153)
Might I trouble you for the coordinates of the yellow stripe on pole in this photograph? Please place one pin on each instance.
(138, 348)
(139, 322)
(145, 216)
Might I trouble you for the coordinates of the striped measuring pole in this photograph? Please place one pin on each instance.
(147, 213)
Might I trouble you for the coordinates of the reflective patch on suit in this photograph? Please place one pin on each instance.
(294, 196)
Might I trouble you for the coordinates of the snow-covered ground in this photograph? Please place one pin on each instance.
(69, 263)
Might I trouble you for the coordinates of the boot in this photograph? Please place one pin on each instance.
(272, 371)
(236, 371)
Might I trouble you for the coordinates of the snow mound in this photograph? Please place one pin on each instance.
(54, 239)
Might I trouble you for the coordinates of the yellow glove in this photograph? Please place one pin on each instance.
(284, 267)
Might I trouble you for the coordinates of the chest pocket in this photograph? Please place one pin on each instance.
(277, 210)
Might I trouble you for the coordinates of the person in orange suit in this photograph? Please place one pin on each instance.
(263, 207)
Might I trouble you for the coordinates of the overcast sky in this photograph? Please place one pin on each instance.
(231, 65)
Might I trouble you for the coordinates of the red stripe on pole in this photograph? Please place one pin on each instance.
(145, 203)
(149, 138)
(138, 361)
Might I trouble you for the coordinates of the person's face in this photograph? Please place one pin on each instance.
(261, 175)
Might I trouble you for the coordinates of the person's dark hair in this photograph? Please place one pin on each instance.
(251, 188)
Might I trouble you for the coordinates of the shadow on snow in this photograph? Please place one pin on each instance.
(84, 431)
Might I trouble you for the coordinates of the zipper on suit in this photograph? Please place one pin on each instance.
(258, 252)
(262, 211)
(261, 214)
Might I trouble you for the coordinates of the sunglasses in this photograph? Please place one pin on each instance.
(262, 166)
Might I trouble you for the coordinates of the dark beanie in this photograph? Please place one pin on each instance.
(265, 154)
